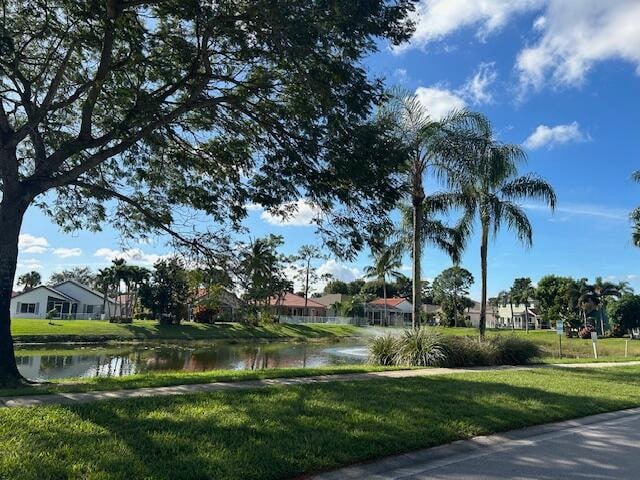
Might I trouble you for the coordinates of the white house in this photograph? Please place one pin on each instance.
(397, 310)
(68, 299)
(504, 315)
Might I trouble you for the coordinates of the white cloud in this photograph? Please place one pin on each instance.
(585, 210)
(476, 89)
(436, 19)
(340, 271)
(29, 264)
(401, 75)
(31, 244)
(438, 101)
(577, 34)
(131, 255)
(67, 252)
(299, 213)
(546, 136)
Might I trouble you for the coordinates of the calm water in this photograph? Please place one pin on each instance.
(64, 361)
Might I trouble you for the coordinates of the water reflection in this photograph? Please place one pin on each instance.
(65, 361)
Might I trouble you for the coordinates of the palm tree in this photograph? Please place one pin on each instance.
(505, 298)
(604, 290)
(490, 185)
(30, 280)
(522, 291)
(428, 143)
(635, 215)
(105, 282)
(386, 262)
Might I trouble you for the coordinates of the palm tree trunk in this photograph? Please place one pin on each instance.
(513, 321)
(306, 287)
(417, 201)
(601, 320)
(384, 296)
(526, 316)
(482, 326)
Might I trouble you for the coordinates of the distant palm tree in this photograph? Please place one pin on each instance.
(386, 262)
(635, 215)
(30, 280)
(522, 291)
(428, 142)
(604, 291)
(490, 188)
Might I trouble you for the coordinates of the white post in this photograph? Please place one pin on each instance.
(626, 348)
(594, 340)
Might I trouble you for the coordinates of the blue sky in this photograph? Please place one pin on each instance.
(561, 77)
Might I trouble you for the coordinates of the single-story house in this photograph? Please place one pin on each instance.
(68, 299)
(392, 311)
(473, 313)
(329, 300)
(229, 305)
(292, 305)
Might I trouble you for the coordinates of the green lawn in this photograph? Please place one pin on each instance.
(286, 431)
(36, 330)
(163, 379)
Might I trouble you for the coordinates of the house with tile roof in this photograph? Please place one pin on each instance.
(392, 311)
(292, 305)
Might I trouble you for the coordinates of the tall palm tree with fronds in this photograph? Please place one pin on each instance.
(386, 263)
(491, 188)
(430, 150)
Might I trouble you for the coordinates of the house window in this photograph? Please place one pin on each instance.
(27, 308)
(90, 308)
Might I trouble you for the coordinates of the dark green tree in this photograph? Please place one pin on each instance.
(624, 314)
(336, 286)
(122, 110)
(82, 275)
(166, 293)
(558, 300)
(261, 271)
(30, 280)
(450, 288)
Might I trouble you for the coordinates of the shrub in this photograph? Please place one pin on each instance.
(421, 348)
(383, 349)
(512, 350)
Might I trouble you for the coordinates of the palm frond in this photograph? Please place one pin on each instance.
(515, 218)
(530, 186)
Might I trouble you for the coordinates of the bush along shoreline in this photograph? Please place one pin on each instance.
(425, 348)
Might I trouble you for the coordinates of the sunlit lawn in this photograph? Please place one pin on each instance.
(285, 431)
(93, 330)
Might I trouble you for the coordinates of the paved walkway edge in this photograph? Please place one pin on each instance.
(71, 398)
(461, 450)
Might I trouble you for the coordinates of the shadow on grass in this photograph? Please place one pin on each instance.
(282, 432)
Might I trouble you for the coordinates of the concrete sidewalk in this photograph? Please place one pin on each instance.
(604, 447)
(71, 398)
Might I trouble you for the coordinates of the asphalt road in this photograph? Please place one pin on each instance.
(601, 447)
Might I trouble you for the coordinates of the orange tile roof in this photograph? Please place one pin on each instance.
(293, 300)
(391, 302)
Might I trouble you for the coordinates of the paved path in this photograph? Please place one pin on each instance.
(70, 398)
(602, 447)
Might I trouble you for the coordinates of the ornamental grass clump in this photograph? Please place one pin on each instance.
(383, 349)
(421, 348)
(428, 348)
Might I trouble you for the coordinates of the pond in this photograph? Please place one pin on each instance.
(65, 361)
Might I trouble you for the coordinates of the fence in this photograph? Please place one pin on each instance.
(297, 320)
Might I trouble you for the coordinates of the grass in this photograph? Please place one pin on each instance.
(164, 379)
(37, 330)
(281, 432)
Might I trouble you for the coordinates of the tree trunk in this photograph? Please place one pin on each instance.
(482, 326)
(513, 321)
(11, 214)
(306, 286)
(526, 316)
(417, 201)
(384, 296)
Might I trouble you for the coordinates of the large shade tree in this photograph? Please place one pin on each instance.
(490, 189)
(142, 105)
